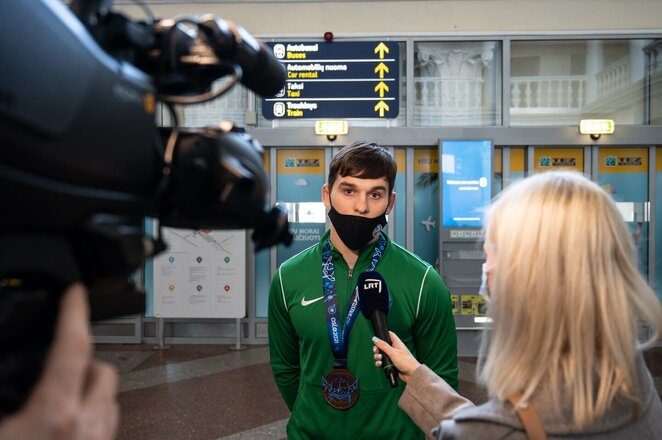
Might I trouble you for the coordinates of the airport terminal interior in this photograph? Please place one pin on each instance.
(532, 86)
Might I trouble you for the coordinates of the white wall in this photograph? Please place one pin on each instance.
(455, 17)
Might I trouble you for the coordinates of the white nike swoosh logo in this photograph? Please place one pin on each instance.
(309, 302)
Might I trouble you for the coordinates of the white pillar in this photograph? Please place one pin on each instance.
(594, 64)
(637, 59)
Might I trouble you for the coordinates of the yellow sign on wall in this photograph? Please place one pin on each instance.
(547, 159)
(401, 159)
(301, 161)
(517, 160)
(498, 160)
(623, 160)
(658, 159)
(426, 160)
(474, 305)
(267, 160)
(454, 303)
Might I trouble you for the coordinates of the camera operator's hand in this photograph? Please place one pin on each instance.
(76, 395)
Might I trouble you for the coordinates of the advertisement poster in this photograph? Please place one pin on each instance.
(623, 173)
(466, 169)
(497, 164)
(454, 304)
(473, 305)
(299, 188)
(399, 214)
(201, 275)
(263, 262)
(426, 205)
(517, 164)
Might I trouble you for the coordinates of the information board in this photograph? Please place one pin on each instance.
(336, 80)
(201, 275)
(466, 182)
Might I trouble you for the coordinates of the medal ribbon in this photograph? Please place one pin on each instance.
(339, 336)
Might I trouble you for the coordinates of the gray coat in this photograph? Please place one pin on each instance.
(443, 414)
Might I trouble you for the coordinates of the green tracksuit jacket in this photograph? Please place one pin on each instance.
(421, 315)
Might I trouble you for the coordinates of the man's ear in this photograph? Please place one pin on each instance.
(326, 195)
(391, 203)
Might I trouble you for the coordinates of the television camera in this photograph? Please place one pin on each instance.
(83, 163)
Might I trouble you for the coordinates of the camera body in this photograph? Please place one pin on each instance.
(83, 163)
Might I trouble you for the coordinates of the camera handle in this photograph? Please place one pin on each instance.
(35, 269)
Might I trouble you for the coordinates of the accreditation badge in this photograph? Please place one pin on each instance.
(340, 388)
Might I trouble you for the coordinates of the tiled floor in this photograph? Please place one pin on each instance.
(208, 392)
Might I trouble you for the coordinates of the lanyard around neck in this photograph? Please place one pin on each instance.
(339, 336)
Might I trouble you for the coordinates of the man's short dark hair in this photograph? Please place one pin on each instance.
(365, 160)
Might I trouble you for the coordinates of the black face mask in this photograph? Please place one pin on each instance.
(356, 231)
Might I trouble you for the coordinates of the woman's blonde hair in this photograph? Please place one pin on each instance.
(566, 297)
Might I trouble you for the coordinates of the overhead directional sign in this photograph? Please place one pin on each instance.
(336, 80)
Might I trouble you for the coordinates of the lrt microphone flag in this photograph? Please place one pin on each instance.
(374, 299)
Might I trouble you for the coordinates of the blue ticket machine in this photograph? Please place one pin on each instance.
(465, 193)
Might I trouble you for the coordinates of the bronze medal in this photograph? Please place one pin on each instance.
(340, 388)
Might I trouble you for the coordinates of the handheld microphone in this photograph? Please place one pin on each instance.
(374, 301)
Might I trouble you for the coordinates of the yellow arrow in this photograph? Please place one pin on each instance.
(381, 68)
(381, 107)
(381, 88)
(381, 48)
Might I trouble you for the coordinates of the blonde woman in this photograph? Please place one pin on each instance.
(565, 297)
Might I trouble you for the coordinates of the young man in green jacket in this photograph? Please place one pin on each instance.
(321, 358)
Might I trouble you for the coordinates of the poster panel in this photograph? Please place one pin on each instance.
(466, 170)
(623, 173)
(399, 212)
(263, 261)
(517, 164)
(426, 205)
(299, 187)
(201, 275)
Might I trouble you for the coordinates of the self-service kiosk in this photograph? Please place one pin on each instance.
(465, 192)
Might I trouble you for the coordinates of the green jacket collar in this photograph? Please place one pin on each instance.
(365, 254)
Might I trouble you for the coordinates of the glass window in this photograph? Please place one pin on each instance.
(654, 53)
(299, 187)
(399, 213)
(623, 173)
(497, 177)
(426, 205)
(517, 167)
(457, 83)
(560, 82)
(229, 107)
(518, 164)
(263, 263)
(299, 180)
(658, 222)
